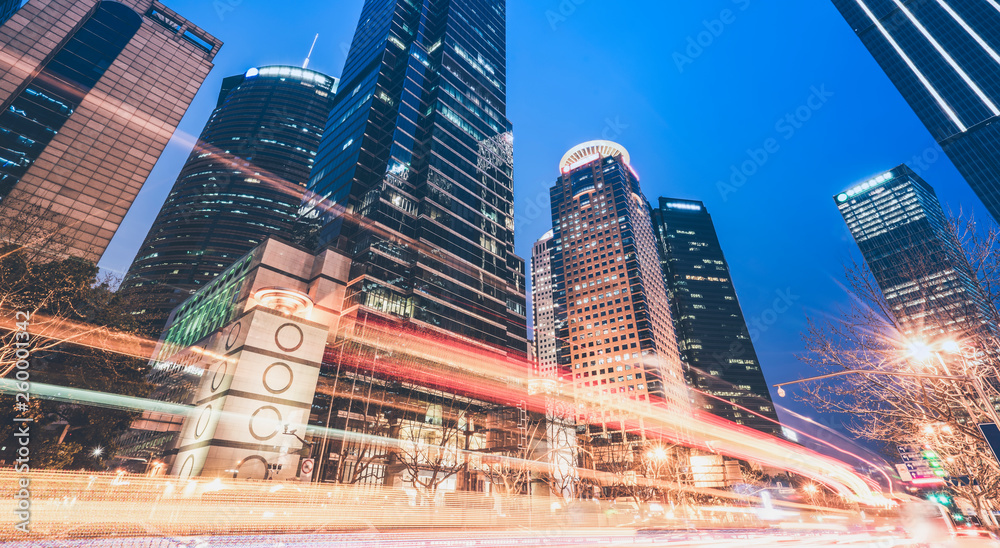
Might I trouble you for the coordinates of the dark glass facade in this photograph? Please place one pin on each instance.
(712, 334)
(7, 9)
(612, 318)
(414, 174)
(916, 260)
(944, 57)
(35, 115)
(243, 182)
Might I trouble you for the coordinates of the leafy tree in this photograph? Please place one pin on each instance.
(80, 334)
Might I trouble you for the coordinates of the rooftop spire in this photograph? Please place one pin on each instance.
(305, 65)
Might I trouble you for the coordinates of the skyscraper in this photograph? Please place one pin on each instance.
(414, 173)
(616, 339)
(916, 260)
(243, 181)
(712, 333)
(7, 9)
(543, 313)
(942, 55)
(91, 91)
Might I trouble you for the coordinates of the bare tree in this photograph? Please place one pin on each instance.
(363, 453)
(434, 435)
(562, 456)
(874, 334)
(514, 464)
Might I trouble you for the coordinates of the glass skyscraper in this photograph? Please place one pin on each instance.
(616, 340)
(414, 175)
(7, 9)
(944, 57)
(90, 93)
(243, 181)
(712, 334)
(916, 259)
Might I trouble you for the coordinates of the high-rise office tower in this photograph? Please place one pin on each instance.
(90, 92)
(243, 181)
(7, 9)
(414, 173)
(944, 57)
(616, 339)
(916, 260)
(543, 307)
(712, 333)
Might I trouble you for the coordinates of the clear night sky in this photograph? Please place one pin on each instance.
(591, 69)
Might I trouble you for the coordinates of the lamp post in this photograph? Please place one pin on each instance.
(307, 446)
(974, 381)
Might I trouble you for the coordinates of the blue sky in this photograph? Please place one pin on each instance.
(627, 70)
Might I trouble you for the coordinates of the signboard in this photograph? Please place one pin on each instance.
(904, 474)
(306, 470)
(921, 463)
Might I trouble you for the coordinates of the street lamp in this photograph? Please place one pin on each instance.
(923, 352)
(976, 382)
(919, 350)
(657, 454)
(292, 433)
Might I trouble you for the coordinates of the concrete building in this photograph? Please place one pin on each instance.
(543, 308)
(255, 362)
(90, 93)
(245, 353)
(617, 342)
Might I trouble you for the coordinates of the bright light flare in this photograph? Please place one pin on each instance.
(919, 350)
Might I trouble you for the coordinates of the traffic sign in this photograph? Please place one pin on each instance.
(306, 469)
(904, 474)
(921, 463)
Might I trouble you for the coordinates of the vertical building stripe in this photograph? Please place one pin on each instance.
(975, 36)
(909, 62)
(947, 57)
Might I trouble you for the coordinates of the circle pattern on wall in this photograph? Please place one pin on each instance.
(289, 337)
(187, 469)
(277, 377)
(203, 419)
(234, 335)
(268, 421)
(220, 374)
(253, 467)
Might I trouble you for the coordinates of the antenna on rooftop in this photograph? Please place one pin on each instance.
(305, 65)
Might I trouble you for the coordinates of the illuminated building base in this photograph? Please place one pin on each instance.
(261, 387)
(245, 353)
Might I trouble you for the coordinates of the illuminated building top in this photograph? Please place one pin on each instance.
(584, 153)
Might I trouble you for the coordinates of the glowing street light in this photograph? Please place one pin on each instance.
(919, 350)
(98, 451)
(658, 454)
(950, 346)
